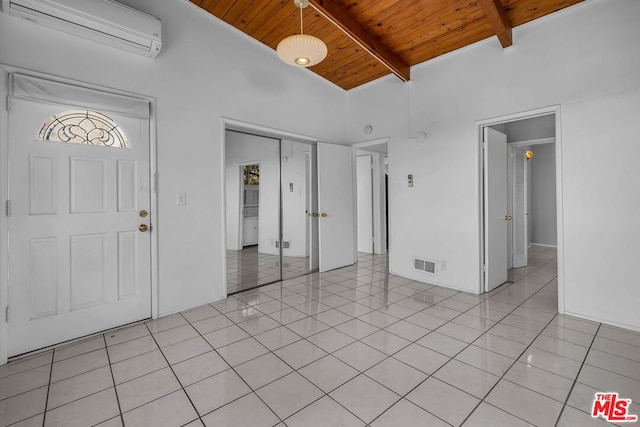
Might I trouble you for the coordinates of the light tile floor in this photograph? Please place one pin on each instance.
(353, 347)
(248, 268)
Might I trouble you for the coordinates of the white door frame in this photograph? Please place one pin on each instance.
(5, 70)
(227, 123)
(480, 124)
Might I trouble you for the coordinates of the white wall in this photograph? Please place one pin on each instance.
(543, 198)
(206, 70)
(242, 149)
(294, 203)
(586, 59)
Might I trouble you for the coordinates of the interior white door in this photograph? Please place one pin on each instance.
(520, 247)
(365, 203)
(336, 203)
(495, 208)
(312, 206)
(78, 263)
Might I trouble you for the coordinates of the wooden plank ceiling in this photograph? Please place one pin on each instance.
(411, 31)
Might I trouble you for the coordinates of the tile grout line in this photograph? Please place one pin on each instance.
(376, 295)
(174, 374)
(46, 404)
(513, 364)
(375, 310)
(356, 340)
(359, 340)
(575, 380)
(69, 343)
(294, 370)
(115, 389)
(469, 345)
(234, 371)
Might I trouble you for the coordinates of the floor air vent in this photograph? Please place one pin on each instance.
(424, 265)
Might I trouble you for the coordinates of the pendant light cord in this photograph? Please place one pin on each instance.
(301, 30)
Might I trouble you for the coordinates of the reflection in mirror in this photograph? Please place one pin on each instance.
(298, 241)
(252, 210)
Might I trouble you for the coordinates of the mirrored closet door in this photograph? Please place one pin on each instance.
(271, 233)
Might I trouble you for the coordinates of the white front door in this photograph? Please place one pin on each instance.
(336, 204)
(495, 209)
(78, 263)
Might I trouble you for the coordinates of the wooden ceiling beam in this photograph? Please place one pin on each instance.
(498, 19)
(343, 20)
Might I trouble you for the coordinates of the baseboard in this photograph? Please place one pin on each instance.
(603, 321)
(430, 281)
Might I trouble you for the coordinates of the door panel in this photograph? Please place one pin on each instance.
(495, 208)
(336, 199)
(312, 206)
(519, 208)
(77, 262)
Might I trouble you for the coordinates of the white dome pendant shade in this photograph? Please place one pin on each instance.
(301, 50)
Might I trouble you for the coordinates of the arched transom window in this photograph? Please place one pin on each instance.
(83, 127)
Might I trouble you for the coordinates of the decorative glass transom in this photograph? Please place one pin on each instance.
(83, 127)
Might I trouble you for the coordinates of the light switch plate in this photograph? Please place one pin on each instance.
(181, 199)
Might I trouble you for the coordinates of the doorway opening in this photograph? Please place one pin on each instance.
(372, 213)
(520, 198)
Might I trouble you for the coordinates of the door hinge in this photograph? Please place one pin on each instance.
(484, 267)
(7, 314)
(484, 145)
(9, 103)
(8, 208)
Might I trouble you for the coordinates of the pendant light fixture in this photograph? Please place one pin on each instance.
(301, 50)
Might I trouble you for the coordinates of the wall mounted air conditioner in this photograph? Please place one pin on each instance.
(103, 21)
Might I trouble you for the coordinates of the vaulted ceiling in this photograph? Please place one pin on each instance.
(368, 39)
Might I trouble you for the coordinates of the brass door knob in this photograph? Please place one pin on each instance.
(143, 227)
(143, 213)
(507, 217)
(323, 215)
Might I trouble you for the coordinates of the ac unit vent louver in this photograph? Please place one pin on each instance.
(424, 265)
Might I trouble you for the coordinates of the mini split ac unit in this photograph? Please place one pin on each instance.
(103, 21)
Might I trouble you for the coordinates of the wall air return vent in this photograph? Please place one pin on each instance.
(425, 265)
(286, 244)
